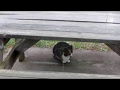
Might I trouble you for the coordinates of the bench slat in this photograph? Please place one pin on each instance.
(62, 30)
(75, 16)
(40, 23)
(113, 17)
(13, 74)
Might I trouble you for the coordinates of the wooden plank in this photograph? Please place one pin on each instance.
(54, 15)
(11, 55)
(20, 46)
(13, 74)
(88, 30)
(91, 16)
(64, 36)
(86, 27)
(22, 56)
(3, 42)
(6, 40)
(58, 26)
(114, 17)
(1, 50)
(66, 29)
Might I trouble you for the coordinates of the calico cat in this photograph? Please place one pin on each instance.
(63, 51)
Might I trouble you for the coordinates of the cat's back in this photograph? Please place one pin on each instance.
(60, 45)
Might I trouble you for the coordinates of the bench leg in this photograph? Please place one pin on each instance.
(22, 56)
(3, 42)
(115, 47)
(1, 49)
(19, 48)
(6, 40)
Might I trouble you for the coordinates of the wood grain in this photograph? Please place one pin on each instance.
(78, 26)
(13, 74)
(95, 16)
(1, 49)
(19, 48)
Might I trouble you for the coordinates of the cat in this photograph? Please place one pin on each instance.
(63, 51)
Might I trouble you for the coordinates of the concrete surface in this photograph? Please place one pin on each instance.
(83, 61)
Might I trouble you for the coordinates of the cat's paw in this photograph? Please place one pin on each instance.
(71, 54)
(63, 61)
(68, 60)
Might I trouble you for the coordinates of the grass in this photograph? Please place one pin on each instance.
(76, 45)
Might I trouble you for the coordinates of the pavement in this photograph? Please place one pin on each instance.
(82, 61)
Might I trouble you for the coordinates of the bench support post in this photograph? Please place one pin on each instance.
(18, 49)
(6, 40)
(115, 47)
(3, 42)
(22, 56)
(1, 50)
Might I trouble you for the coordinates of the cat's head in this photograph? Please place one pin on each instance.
(67, 51)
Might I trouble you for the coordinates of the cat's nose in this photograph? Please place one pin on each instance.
(71, 54)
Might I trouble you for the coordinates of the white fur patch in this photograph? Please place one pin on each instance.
(65, 59)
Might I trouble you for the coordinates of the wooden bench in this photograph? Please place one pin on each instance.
(28, 27)
(14, 74)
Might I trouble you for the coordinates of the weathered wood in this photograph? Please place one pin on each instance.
(1, 49)
(68, 36)
(3, 42)
(67, 15)
(82, 31)
(61, 26)
(84, 16)
(13, 74)
(6, 40)
(22, 56)
(82, 26)
(20, 46)
(115, 47)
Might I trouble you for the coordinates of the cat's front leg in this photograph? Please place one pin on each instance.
(64, 61)
(68, 60)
